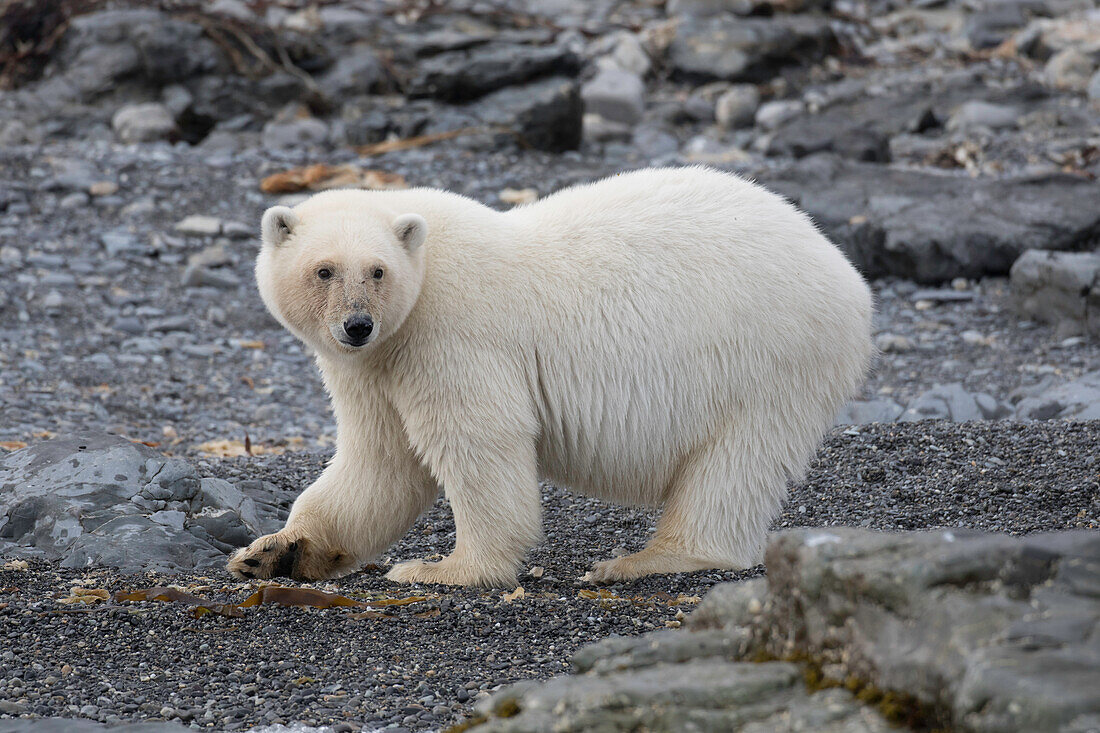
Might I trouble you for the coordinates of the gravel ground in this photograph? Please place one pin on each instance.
(422, 667)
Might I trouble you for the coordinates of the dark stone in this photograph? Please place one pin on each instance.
(545, 115)
(932, 228)
(457, 76)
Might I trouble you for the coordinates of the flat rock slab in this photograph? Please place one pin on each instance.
(102, 500)
(704, 695)
(932, 228)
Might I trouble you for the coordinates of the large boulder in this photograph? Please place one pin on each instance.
(933, 227)
(100, 499)
(1062, 288)
(952, 629)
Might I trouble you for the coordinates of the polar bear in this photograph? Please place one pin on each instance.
(677, 337)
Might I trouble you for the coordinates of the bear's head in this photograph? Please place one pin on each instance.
(341, 276)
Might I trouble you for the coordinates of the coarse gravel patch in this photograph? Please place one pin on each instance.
(422, 665)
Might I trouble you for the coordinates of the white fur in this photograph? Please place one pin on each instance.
(675, 337)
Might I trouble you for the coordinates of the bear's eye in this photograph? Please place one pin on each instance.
(324, 273)
(378, 274)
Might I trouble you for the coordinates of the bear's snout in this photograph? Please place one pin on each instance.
(358, 329)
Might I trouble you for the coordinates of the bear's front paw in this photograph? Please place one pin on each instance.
(286, 555)
(451, 571)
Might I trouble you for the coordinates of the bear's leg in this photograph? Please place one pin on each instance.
(716, 516)
(494, 494)
(369, 496)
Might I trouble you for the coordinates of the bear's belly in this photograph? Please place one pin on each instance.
(616, 428)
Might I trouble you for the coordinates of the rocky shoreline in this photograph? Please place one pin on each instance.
(949, 146)
(429, 662)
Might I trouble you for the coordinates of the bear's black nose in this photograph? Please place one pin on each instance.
(358, 329)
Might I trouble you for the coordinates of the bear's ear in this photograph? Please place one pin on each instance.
(278, 224)
(411, 230)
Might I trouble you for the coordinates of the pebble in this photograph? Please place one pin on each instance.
(892, 343)
(198, 225)
(771, 115)
(737, 106)
(197, 276)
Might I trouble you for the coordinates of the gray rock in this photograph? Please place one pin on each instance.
(861, 127)
(941, 295)
(629, 55)
(1078, 399)
(953, 402)
(990, 26)
(1061, 288)
(239, 230)
(1093, 89)
(615, 95)
(198, 225)
(860, 412)
(1000, 644)
(1070, 69)
(357, 71)
(658, 647)
(120, 241)
(294, 132)
(16, 132)
(892, 343)
(214, 256)
(170, 323)
(771, 115)
(140, 123)
(136, 543)
(546, 115)
(737, 106)
(219, 494)
(74, 200)
(176, 99)
(700, 695)
(171, 518)
(467, 74)
(953, 629)
(233, 9)
(100, 499)
(199, 276)
(976, 113)
(76, 725)
(225, 526)
(933, 228)
(104, 48)
(597, 129)
(746, 49)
